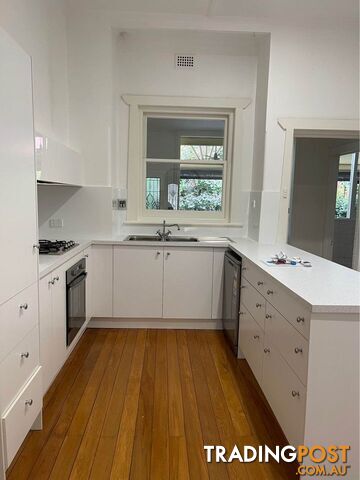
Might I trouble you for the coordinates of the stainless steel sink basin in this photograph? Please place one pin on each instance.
(143, 238)
(156, 238)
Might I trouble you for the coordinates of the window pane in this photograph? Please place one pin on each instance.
(152, 193)
(166, 136)
(342, 207)
(201, 152)
(186, 186)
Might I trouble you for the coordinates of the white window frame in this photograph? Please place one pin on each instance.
(193, 107)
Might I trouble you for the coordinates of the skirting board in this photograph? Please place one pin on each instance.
(165, 323)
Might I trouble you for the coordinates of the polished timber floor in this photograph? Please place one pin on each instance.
(141, 404)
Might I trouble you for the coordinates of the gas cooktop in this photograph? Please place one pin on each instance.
(56, 247)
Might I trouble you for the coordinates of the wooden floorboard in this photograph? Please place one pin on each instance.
(141, 405)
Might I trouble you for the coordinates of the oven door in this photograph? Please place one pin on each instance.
(76, 306)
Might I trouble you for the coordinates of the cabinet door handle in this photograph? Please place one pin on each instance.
(28, 403)
(300, 319)
(298, 350)
(51, 282)
(256, 337)
(243, 286)
(24, 306)
(266, 350)
(258, 305)
(260, 283)
(270, 292)
(268, 315)
(295, 393)
(25, 355)
(86, 255)
(56, 279)
(241, 313)
(158, 253)
(168, 254)
(244, 268)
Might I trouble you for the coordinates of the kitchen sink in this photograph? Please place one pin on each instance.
(156, 238)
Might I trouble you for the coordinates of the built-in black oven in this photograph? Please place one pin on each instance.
(75, 299)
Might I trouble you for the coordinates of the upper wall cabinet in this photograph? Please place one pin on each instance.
(18, 230)
(57, 163)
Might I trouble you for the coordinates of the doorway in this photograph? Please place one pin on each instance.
(323, 215)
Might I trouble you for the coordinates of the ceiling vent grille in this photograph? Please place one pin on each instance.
(184, 61)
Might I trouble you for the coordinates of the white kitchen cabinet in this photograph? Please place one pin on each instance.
(218, 283)
(285, 394)
(251, 340)
(187, 282)
(102, 280)
(138, 282)
(52, 325)
(18, 211)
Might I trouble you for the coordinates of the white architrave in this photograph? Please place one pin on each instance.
(305, 127)
(140, 104)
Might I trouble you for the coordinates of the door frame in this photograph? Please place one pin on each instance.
(305, 127)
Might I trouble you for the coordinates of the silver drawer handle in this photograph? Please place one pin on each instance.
(295, 393)
(158, 253)
(260, 283)
(266, 350)
(300, 319)
(25, 355)
(298, 350)
(24, 306)
(256, 337)
(56, 279)
(258, 305)
(51, 282)
(168, 254)
(86, 255)
(269, 292)
(29, 402)
(268, 315)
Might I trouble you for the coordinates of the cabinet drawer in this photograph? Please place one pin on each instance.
(251, 340)
(293, 309)
(18, 317)
(18, 366)
(292, 346)
(254, 275)
(285, 394)
(20, 416)
(254, 302)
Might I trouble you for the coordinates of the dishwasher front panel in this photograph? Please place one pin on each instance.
(231, 305)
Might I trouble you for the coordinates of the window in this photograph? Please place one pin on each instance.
(347, 189)
(184, 156)
(188, 156)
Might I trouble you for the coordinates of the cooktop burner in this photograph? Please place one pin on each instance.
(56, 247)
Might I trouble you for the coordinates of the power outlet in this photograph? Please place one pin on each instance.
(56, 222)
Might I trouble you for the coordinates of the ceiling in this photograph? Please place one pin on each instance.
(329, 11)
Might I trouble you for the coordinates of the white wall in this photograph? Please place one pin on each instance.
(314, 73)
(39, 26)
(86, 212)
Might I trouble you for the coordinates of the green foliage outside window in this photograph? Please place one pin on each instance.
(200, 195)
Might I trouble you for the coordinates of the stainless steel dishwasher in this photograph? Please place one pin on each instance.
(231, 298)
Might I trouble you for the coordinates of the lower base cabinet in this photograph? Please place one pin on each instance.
(52, 292)
(285, 394)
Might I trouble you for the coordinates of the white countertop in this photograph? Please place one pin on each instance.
(326, 286)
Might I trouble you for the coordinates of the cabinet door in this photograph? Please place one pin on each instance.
(187, 283)
(251, 339)
(58, 296)
(138, 282)
(18, 232)
(285, 394)
(89, 278)
(102, 280)
(218, 283)
(46, 332)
